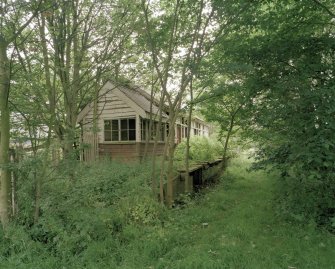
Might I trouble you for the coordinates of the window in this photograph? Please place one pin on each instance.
(108, 130)
(145, 130)
(115, 130)
(120, 130)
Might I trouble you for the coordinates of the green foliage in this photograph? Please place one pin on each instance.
(84, 217)
(201, 149)
(285, 58)
(141, 209)
(119, 225)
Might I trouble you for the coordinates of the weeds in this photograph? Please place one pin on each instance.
(108, 219)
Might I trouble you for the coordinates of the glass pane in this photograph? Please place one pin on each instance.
(107, 130)
(132, 124)
(115, 135)
(107, 135)
(115, 125)
(162, 131)
(143, 129)
(132, 135)
(124, 124)
(153, 130)
(107, 124)
(124, 135)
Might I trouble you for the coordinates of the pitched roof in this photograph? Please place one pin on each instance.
(140, 97)
(134, 93)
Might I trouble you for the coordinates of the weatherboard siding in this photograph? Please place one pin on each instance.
(110, 106)
(128, 151)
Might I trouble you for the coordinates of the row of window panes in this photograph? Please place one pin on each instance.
(164, 129)
(120, 130)
(125, 130)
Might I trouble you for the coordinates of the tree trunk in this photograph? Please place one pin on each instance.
(13, 160)
(39, 175)
(5, 183)
(154, 157)
(170, 171)
(148, 133)
(225, 148)
(50, 87)
(187, 153)
(161, 177)
(38, 185)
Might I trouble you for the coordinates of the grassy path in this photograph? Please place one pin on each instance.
(234, 226)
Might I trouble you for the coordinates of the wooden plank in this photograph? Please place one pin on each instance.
(191, 169)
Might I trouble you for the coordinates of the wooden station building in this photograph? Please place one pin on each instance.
(122, 115)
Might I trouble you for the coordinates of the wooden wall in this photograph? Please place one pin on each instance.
(127, 151)
(90, 147)
(110, 106)
(159, 149)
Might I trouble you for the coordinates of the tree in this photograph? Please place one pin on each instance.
(178, 36)
(80, 48)
(290, 47)
(12, 24)
(60, 56)
(226, 104)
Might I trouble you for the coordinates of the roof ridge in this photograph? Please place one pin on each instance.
(142, 92)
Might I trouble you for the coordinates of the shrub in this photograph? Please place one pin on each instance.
(201, 149)
(100, 206)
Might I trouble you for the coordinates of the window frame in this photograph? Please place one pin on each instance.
(120, 130)
(164, 129)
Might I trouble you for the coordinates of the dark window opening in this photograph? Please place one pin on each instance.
(120, 130)
(146, 132)
(107, 130)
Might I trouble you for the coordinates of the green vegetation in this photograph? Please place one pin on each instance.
(116, 224)
(263, 71)
(201, 149)
(273, 78)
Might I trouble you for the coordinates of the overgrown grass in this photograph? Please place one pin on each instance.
(234, 226)
(231, 225)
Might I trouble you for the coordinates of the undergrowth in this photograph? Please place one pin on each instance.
(202, 149)
(107, 218)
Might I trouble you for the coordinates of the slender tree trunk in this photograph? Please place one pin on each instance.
(50, 88)
(39, 175)
(5, 182)
(187, 153)
(173, 114)
(148, 133)
(38, 185)
(230, 129)
(13, 160)
(154, 157)
(170, 171)
(161, 176)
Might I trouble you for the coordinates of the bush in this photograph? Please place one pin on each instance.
(94, 214)
(201, 149)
